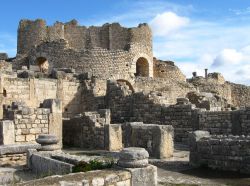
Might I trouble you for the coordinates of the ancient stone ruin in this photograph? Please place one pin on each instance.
(100, 88)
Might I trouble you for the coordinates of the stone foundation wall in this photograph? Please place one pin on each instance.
(229, 153)
(156, 139)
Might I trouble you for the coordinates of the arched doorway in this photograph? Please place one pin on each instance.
(43, 64)
(142, 67)
(119, 81)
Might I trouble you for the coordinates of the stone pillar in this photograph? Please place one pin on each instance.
(194, 157)
(166, 145)
(194, 74)
(7, 132)
(206, 73)
(55, 117)
(135, 160)
(113, 137)
(2, 99)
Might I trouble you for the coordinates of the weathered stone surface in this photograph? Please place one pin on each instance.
(7, 132)
(113, 137)
(17, 148)
(221, 152)
(47, 139)
(133, 163)
(144, 176)
(133, 153)
(43, 165)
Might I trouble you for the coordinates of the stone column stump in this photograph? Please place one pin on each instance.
(48, 142)
(135, 160)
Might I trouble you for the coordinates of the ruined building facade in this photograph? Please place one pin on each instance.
(110, 69)
(109, 51)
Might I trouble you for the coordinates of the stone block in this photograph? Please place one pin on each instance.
(17, 148)
(20, 138)
(143, 176)
(30, 137)
(7, 132)
(113, 137)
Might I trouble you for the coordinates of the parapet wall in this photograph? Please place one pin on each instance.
(109, 36)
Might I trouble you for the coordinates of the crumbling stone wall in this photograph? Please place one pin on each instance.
(111, 47)
(240, 94)
(229, 153)
(168, 70)
(170, 88)
(213, 86)
(149, 108)
(86, 131)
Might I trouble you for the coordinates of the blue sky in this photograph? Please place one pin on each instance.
(196, 34)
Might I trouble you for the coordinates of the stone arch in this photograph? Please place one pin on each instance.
(42, 63)
(142, 67)
(127, 83)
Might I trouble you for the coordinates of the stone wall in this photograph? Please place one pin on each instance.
(229, 153)
(216, 122)
(156, 139)
(213, 86)
(86, 131)
(152, 108)
(34, 91)
(109, 51)
(240, 94)
(171, 88)
(29, 123)
(168, 70)
(23, 124)
(149, 108)
(109, 36)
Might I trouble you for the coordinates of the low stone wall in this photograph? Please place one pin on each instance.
(45, 166)
(94, 178)
(229, 153)
(156, 139)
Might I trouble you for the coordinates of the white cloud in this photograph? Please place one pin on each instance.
(228, 57)
(167, 22)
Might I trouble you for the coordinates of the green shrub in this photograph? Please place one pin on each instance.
(92, 165)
